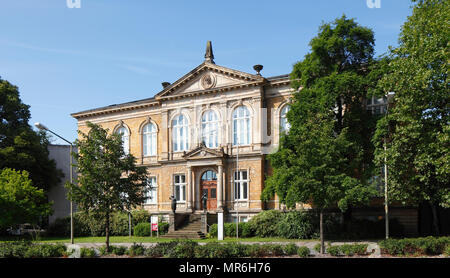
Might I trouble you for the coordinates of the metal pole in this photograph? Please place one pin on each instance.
(386, 208)
(71, 204)
(239, 176)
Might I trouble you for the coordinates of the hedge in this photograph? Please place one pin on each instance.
(143, 229)
(28, 249)
(415, 246)
(86, 224)
(347, 249)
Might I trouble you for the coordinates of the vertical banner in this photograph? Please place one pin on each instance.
(154, 224)
(220, 226)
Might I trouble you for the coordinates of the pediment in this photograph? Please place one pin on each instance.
(208, 77)
(202, 152)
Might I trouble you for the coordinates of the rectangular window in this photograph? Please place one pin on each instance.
(240, 185)
(180, 187)
(152, 193)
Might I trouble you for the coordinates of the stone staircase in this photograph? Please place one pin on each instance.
(191, 229)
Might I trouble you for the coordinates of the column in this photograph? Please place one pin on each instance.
(189, 188)
(220, 187)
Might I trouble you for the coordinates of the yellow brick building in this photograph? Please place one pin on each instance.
(206, 133)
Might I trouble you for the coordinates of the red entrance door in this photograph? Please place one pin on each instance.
(208, 186)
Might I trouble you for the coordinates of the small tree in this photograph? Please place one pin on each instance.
(20, 201)
(417, 127)
(108, 179)
(326, 158)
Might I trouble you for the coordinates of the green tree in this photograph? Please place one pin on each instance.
(108, 179)
(417, 126)
(21, 148)
(20, 201)
(326, 157)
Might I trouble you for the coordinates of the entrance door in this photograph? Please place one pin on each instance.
(208, 185)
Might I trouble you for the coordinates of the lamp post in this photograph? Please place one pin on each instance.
(386, 207)
(43, 127)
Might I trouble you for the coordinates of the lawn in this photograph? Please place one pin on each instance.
(128, 239)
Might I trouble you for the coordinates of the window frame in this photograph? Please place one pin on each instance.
(237, 122)
(149, 137)
(180, 136)
(152, 188)
(205, 122)
(125, 138)
(180, 185)
(239, 184)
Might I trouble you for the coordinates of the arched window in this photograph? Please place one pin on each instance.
(241, 126)
(209, 176)
(180, 133)
(284, 124)
(125, 139)
(149, 139)
(210, 129)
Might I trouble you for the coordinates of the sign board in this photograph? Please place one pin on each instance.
(154, 220)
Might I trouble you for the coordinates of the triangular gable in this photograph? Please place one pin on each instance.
(208, 76)
(202, 151)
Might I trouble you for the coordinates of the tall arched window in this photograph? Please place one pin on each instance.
(149, 142)
(125, 139)
(210, 129)
(241, 126)
(284, 124)
(180, 133)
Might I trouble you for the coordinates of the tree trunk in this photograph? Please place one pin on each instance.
(435, 219)
(107, 232)
(322, 242)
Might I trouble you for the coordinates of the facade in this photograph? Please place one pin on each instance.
(205, 134)
(58, 194)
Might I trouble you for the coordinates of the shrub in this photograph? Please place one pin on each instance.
(348, 249)
(163, 228)
(290, 249)
(296, 224)
(185, 249)
(162, 249)
(447, 250)
(317, 247)
(15, 249)
(142, 229)
(118, 250)
(236, 250)
(229, 230)
(265, 223)
(408, 246)
(334, 250)
(140, 216)
(303, 252)
(87, 253)
(212, 250)
(136, 250)
(45, 251)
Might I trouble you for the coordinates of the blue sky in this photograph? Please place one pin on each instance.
(112, 51)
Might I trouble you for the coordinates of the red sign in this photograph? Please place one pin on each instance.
(154, 226)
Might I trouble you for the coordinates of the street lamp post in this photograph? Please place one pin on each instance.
(43, 127)
(386, 207)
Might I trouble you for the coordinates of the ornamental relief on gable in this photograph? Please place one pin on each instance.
(208, 81)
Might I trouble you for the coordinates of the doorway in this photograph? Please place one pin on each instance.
(208, 186)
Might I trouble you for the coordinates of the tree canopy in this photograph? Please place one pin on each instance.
(326, 157)
(109, 180)
(22, 148)
(20, 201)
(417, 126)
